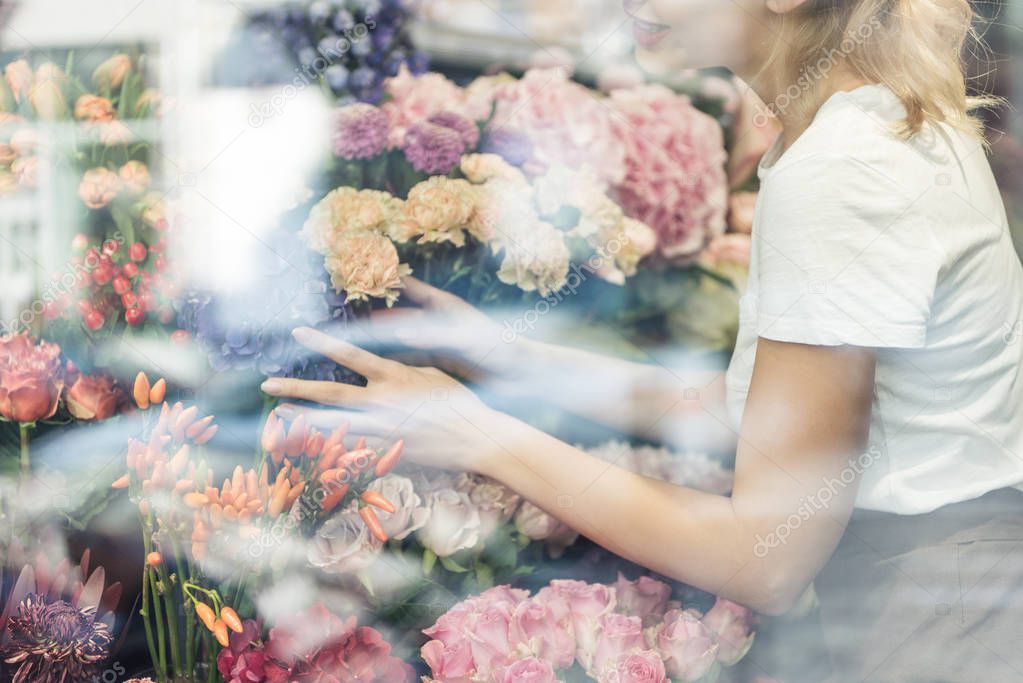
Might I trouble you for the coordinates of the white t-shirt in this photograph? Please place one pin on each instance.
(863, 238)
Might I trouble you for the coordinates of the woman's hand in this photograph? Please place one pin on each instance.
(453, 335)
(449, 423)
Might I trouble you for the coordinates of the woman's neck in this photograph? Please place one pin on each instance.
(796, 116)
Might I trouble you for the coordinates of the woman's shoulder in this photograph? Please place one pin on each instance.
(854, 138)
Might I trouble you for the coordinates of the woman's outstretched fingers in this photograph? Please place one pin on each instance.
(331, 393)
(352, 357)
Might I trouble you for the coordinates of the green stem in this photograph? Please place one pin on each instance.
(147, 619)
(189, 620)
(172, 618)
(158, 610)
(23, 429)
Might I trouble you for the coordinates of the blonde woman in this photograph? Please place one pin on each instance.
(875, 391)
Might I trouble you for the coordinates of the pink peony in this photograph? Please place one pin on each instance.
(531, 670)
(545, 630)
(617, 634)
(565, 123)
(732, 624)
(645, 598)
(686, 644)
(636, 667)
(675, 158)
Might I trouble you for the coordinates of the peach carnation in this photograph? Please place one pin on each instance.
(365, 265)
(349, 210)
(479, 168)
(438, 210)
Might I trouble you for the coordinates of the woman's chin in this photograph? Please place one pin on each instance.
(662, 63)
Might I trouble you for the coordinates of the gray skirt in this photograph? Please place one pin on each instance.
(933, 598)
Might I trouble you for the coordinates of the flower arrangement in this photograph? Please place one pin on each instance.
(312, 645)
(630, 630)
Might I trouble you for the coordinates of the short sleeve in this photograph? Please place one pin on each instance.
(846, 256)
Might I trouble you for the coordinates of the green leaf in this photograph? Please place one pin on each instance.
(452, 566)
(484, 576)
(429, 560)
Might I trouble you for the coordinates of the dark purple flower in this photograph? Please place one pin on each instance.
(360, 131)
(465, 128)
(433, 149)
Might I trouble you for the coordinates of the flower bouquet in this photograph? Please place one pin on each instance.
(571, 630)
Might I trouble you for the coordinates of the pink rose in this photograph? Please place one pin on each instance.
(453, 524)
(496, 502)
(617, 635)
(731, 623)
(488, 633)
(343, 545)
(687, 646)
(637, 667)
(410, 514)
(645, 598)
(449, 663)
(541, 526)
(531, 670)
(545, 630)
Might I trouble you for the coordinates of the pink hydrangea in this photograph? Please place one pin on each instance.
(675, 178)
(417, 98)
(565, 122)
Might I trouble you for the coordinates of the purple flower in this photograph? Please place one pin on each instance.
(433, 149)
(360, 131)
(465, 128)
(513, 147)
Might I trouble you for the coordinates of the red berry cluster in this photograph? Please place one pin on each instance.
(132, 281)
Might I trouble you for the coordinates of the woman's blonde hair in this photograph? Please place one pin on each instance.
(916, 48)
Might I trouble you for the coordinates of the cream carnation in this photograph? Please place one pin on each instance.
(479, 168)
(365, 265)
(349, 210)
(535, 257)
